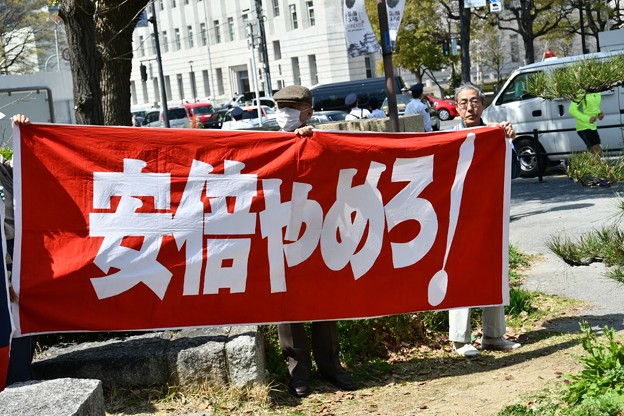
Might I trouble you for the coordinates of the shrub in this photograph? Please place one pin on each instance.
(603, 371)
(520, 300)
(6, 152)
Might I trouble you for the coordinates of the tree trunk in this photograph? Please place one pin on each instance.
(85, 60)
(114, 25)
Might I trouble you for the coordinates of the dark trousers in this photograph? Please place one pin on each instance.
(22, 351)
(295, 346)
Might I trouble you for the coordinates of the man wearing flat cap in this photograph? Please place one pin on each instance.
(416, 106)
(355, 111)
(294, 108)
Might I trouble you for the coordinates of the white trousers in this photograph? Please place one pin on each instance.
(493, 323)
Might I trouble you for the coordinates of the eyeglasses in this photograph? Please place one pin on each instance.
(474, 102)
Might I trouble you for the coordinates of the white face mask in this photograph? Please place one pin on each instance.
(288, 118)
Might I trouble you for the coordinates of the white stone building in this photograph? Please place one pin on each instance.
(204, 48)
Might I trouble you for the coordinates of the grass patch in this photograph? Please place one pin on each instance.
(207, 397)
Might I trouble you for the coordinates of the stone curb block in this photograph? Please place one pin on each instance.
(59, 397)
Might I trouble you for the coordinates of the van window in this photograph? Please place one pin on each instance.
(516, 90)
(176, 113)
(330, 97)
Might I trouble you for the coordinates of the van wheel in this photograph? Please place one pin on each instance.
(444, 114)
(528, 154)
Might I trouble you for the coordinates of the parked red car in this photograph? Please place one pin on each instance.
(199, 112)
(446, 109)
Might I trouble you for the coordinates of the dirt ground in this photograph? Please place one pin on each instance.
(440, 383)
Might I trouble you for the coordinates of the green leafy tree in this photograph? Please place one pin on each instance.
(418, 44)
(99, 33)
(23, 25)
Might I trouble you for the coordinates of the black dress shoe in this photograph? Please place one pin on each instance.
(342, 380)
(299, 388)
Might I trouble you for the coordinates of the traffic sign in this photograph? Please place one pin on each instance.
(496, 6)
(65, 54)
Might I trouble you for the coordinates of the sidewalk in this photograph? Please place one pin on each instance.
(558, 206)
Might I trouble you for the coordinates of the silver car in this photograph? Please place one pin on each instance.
(178, 118)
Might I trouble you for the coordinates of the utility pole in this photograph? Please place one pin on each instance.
(213, 92)
(252, 45)
(268, 89)
(464, 27)
(386, 50)
(163, 93)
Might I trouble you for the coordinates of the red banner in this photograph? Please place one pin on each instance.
(131, 228)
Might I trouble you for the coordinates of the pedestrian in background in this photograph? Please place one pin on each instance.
(416, 106)
(470, 105)
(373, 107)
(237, 122)
(355, 112)
(586, 111)
(294, 109)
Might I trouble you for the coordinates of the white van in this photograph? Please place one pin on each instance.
(549, 122)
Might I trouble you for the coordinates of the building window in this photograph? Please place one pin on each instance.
(217, 31)
(293, 16)
(145, 92)
(141, 47)
(310, 6)
(168, 86)
(514, 48)
(133, 93)
(153, 41)
(204, 34)
(313, 71)
(178, 40)
(173, 3)
(277, 50)
(180, 86)
(231, 28)
(165, 41)
(276, 8)
(193, 86)
(156, 88)
(189, 34)
(186, 1)
(369, 67)
(296, 72)
(220, 89)
(206, 79)
(160, 3)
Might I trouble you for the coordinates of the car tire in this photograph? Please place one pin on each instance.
(444, 114)
(528, 155)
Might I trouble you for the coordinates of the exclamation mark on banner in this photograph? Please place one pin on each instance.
(439, 282)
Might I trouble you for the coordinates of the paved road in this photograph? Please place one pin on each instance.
(558, 206)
